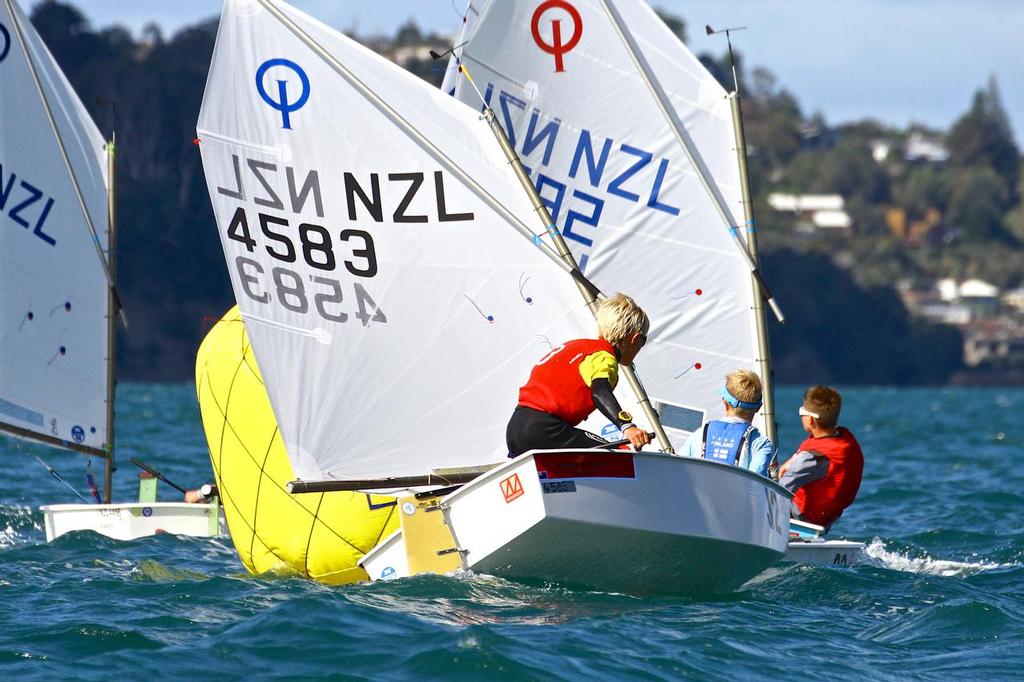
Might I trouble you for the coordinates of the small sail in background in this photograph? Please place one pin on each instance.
(618, 183)
(53, 288)
(373, 233)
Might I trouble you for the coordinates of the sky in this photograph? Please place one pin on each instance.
(897, 61)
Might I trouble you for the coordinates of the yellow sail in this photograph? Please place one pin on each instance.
(320, 536)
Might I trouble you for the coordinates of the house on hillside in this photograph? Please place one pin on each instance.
(1014, 298)
(995, 342)
(813, 212)
(977, 297)
(924, 149)
(918, 148)
(815, 136)
(914, 230)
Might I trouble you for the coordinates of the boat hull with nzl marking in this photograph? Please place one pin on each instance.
(624, 522)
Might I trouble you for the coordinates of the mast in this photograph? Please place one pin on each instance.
(764, 359)
(563, 259)
(764, 353)
(108, 471)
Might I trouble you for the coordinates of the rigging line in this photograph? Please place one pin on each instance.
(67, 164)
(679, 130)
(58, 477)
(413, 133)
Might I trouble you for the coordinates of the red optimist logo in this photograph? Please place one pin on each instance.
(511, 488)
(556, 47)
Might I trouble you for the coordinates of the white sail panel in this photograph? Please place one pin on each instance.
(617, 181)
(53, 291)
(393, 312)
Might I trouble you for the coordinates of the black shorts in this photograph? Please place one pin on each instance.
(531, 429)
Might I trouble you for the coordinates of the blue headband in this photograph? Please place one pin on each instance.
(736, 402)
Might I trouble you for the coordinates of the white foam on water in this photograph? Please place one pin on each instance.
(926, 565)
(19, 526)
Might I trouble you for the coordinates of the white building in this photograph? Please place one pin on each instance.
(824, 211)
(921, 148)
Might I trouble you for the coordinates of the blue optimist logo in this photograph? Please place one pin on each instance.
(78, 433)
(5, 42)
(611, 431)
(283, 103)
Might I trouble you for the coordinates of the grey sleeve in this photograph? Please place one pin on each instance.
(802, 468)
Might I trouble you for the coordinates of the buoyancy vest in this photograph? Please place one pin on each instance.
(724, 440)
(823, 501)
(556, 385)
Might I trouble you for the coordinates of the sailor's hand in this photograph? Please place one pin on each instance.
(637, 437)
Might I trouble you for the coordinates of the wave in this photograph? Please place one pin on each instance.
(927, 565)
(19, 525)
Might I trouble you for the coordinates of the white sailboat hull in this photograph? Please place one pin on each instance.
(823, 552)
(130, 521)
(625, 522)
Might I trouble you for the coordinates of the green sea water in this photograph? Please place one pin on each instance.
(940, 594)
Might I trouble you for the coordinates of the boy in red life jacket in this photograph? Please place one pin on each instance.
(825, 472)
(576, 378)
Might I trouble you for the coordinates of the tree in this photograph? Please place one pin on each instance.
(772, 121)
(409, 34)
(983, 137)
(976, 201)
(924, 187)
(850, 170)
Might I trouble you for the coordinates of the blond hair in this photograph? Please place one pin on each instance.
(619, 317)
(825, 402)
(745, 386)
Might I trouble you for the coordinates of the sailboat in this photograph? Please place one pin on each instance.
(639, 154)
(57, 373)
(398, 276)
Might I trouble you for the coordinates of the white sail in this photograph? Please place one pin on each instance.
(393, 307)
(53, 289)
(618, 182)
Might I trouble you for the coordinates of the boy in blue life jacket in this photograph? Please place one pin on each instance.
(733, 439)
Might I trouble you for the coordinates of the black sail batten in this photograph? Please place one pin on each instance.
(300, 487)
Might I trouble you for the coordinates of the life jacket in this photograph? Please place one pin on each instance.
(723, 441)
(556, 386)
(823, 501)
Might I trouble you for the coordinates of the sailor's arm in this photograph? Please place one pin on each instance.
(801, 469)
(761, 452)
(600, 371)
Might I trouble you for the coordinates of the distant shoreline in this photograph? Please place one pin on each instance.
(1010, 378)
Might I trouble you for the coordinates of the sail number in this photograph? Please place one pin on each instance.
(326, 295)
(315, 243)
(315, 246)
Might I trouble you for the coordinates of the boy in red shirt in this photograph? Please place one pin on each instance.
(576, 378)
(826, 470)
